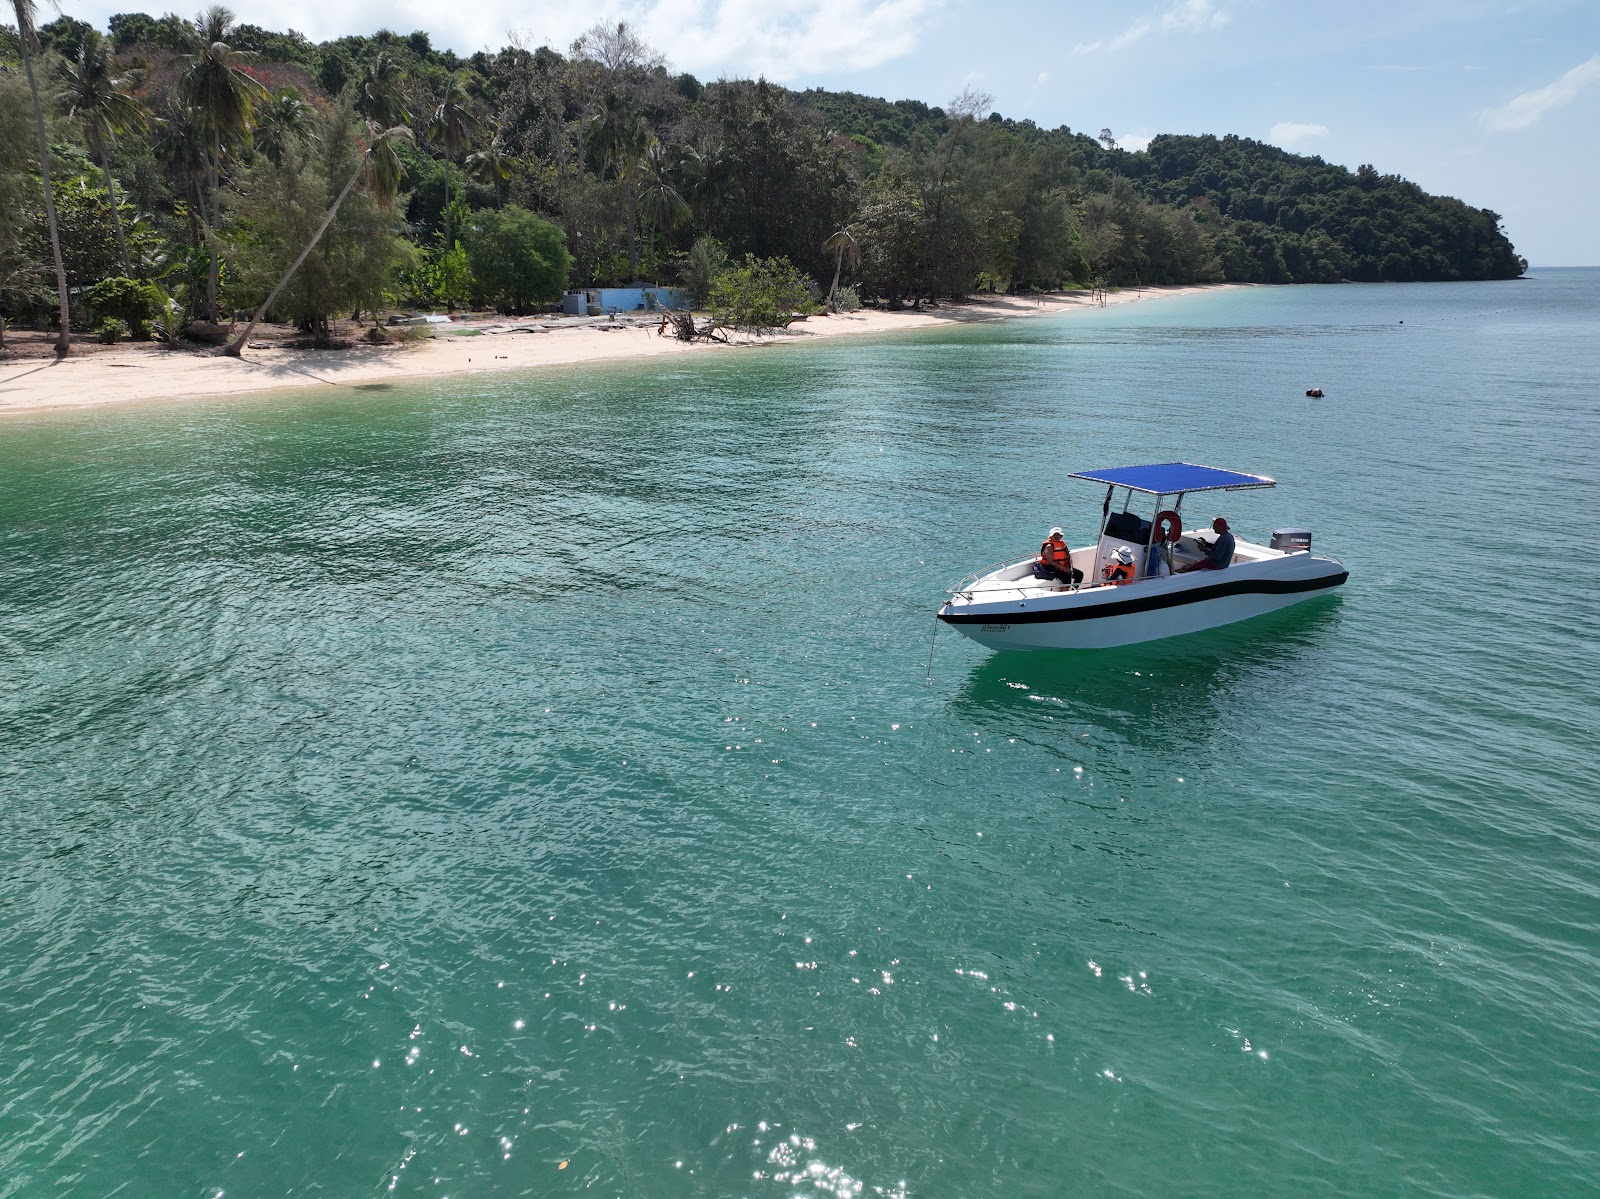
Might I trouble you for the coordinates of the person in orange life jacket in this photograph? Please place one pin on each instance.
(1055, 561)
(1120, 568)
(1219, 554)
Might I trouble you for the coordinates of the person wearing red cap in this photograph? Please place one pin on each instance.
(1219, 554)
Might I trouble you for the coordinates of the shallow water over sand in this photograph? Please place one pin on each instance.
(529, 786)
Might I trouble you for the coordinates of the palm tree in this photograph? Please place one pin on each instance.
(30, 42)
(215, 84)
(456, 124)
(178, 140)
(491, 162)
(383, 174)
(622, 140)
(659, 201)
(706, 170)
(844, 244)
(102, 101)
(285, 117)
(380, 91)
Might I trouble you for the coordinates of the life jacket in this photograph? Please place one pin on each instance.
(1055, 555)
(1118, 572)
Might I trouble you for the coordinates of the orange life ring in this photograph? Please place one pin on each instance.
(1168, 518)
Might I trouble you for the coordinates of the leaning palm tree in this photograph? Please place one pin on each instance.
(103, 101)
(455, 123)
(383, 174)
(844, 244)
(215, 84)
(29, 41)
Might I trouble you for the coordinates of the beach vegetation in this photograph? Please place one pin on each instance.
(136, 303)
(329, 244)
(28, 47)
(760, 295)
(516, 258)
(705, 260)
(148, 150)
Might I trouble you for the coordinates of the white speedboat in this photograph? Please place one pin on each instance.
(1011, 608)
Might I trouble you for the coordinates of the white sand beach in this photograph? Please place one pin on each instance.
(129, 374)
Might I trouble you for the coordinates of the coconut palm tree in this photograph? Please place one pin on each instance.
(178, 139)
(381, 171)
(622, 139)
(660, 202)
(283, 118)
(455, 123)
(491, 162)
(215, 84)
(844, 244)
(29, 40)
(102, 100)
(380, 92)
(706, 171)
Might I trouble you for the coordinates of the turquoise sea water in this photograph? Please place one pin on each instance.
(529, 786)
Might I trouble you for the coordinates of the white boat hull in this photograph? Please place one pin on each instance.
(1005, 612)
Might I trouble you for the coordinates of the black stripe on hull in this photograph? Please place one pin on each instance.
(1152, 602)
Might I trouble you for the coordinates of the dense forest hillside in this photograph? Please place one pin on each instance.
(191, 163)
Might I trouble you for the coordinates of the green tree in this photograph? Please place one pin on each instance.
(103, 101)
(622, 140)
(24, 10)
(761, 294)
(516, 258)
(355, 265)
(282, 119)
(456, 124)
(380, 92)
(842, 244)
(705, 260)
(216, 89)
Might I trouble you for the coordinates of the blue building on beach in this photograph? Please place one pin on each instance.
(623, 299)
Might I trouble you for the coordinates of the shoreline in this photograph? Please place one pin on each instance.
(159, 374)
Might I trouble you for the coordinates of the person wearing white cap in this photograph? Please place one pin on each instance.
(1055, 561)
(1120, 568)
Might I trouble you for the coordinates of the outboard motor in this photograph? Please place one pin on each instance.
(1290, 541)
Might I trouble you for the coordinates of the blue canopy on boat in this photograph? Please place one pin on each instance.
(1169, 478)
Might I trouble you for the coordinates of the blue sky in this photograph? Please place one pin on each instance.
(1496, 103)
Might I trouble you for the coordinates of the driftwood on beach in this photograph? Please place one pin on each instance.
(682, 326)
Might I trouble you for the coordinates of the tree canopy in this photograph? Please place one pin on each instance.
(193, 154)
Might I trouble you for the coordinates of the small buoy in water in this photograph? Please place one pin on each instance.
(1315, 393)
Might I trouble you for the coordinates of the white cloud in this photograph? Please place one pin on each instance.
(1521, 111)
(786, 43)
(1185, 16)
(1135, 142)
(1290, 134)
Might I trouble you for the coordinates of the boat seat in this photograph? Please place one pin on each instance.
(1126, 526)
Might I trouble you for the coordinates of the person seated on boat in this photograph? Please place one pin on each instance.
(1055, 561)
(1120, 568)
(1219, 554)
